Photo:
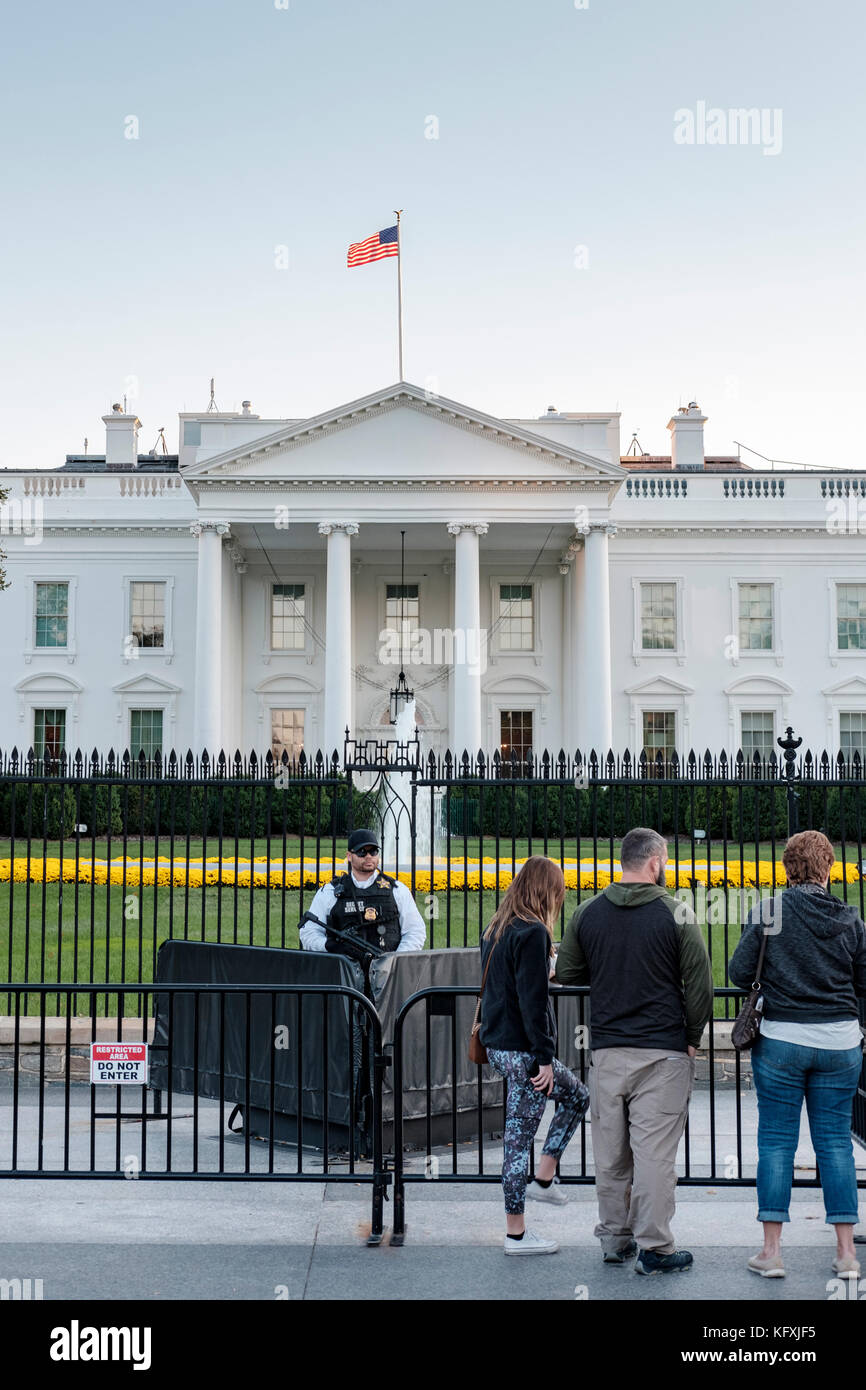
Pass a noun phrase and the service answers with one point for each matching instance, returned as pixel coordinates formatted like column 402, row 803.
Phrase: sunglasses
column 367, row 849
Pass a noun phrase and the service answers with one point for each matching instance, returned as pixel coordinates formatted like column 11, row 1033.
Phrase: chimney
column 121, row 438
column 687, row 438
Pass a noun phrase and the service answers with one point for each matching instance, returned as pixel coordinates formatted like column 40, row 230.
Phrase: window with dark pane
column 515, row 625
column 658, row 613
column 851, row 617
column 287, row 732
column 49, row 732
column 756, row 617
column 52, row 615
column 147, row 613
column 402, row 612
column 515, row 729
column 145, row 732
column 852, row 733
column 757, row 733
column 287, row 617
column 659, row 733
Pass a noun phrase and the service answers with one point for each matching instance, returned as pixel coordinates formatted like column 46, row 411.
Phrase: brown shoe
column 768, row 1266
column 847, row 1266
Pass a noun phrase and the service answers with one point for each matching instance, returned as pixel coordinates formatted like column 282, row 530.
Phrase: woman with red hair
column 809, row 1046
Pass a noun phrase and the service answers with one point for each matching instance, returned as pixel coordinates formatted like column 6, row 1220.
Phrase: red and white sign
column 118, row 1063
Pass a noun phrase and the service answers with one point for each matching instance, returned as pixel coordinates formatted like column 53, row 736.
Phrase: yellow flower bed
column 463, row 876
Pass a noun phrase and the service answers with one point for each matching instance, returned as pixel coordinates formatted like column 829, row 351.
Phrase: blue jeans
column 784, row 1074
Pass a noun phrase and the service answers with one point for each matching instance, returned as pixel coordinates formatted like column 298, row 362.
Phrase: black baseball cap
column 359, row 838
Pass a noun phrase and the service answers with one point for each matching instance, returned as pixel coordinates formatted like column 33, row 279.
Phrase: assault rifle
column 347, row 937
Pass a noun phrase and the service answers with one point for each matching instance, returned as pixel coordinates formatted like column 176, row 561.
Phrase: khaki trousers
column 639, row 1099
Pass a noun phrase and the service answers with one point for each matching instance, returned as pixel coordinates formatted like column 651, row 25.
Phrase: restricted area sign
column 118, row 1063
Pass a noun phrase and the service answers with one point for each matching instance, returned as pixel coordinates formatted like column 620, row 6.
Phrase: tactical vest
column 369, row 912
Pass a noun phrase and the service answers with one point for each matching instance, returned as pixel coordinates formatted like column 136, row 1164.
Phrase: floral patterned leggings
column 524, row 1109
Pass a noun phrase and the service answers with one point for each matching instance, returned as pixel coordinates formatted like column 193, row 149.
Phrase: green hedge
column 725, row 813
column 51, row 809
column 523, row 811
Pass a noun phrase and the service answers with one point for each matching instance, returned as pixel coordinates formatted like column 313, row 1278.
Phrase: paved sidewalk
column 140, row 1239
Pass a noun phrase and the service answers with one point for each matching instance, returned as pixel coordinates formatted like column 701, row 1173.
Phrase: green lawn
column 473, row 847
column 97, row 934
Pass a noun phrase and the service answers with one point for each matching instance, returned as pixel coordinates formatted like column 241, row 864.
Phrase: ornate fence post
column 789, row 746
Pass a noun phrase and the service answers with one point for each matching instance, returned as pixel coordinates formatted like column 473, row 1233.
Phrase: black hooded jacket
column 815, row 960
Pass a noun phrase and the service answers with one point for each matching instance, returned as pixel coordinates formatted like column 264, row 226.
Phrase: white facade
column 564, row 600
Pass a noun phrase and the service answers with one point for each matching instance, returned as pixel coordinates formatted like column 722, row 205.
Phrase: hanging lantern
column 400, row 697
column 401, row 694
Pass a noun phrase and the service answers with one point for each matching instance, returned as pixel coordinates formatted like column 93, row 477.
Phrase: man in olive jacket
column 651, row 995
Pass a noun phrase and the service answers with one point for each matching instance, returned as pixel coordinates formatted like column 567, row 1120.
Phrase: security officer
column 377, row 908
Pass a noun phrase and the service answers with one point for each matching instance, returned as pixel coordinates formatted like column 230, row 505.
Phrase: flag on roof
column 375, row 248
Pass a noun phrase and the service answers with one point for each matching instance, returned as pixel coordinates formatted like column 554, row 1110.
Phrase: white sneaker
column 554, row 1194
column 530, row 1245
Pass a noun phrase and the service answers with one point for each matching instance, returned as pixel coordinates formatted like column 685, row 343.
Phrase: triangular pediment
column 852, row 686
column 403, row 432
column 661, row 686
column 146, row 684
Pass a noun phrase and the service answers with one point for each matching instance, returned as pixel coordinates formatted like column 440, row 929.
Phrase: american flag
column 375, row 248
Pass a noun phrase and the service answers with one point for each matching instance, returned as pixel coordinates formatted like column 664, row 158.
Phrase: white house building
column 240, row 594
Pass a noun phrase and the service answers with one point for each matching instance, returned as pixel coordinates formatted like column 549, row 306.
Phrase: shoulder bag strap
column 486, row 968
column 759, row 967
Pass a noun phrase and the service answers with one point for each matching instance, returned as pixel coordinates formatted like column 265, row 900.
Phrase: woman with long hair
column 518, row 1029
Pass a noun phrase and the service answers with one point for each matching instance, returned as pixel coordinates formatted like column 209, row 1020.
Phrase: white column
column 338, row 634
column 234, row 568
column 578, row 708
column 572, row 568
column 208, row 637
column 566, row 685
column 470, row 644
column 593, row 644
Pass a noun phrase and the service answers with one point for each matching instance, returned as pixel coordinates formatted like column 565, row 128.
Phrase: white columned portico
column 593, row 639
column 208, row 636
column 468, row 644
column 338, row 634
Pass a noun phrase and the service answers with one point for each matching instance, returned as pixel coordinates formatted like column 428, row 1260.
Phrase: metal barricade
column 220, row 1045
column 571, row 1005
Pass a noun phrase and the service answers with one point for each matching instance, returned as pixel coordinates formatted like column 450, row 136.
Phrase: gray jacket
column 815, row 960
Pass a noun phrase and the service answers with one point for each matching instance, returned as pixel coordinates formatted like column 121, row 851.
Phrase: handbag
column 747, row 1024
column 477, row 1050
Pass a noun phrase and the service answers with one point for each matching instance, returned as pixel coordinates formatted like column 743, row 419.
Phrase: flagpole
column 399, row 298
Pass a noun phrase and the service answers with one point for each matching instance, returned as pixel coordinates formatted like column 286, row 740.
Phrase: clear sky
column 710, row 271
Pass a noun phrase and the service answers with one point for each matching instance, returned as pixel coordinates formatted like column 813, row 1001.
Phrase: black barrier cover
column 438, row 1077
column 442, row 1090
column 209, row 1057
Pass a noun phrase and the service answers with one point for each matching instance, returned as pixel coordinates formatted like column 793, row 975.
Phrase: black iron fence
column 286, row 1060
column 715, row 1143
column 103, row 858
